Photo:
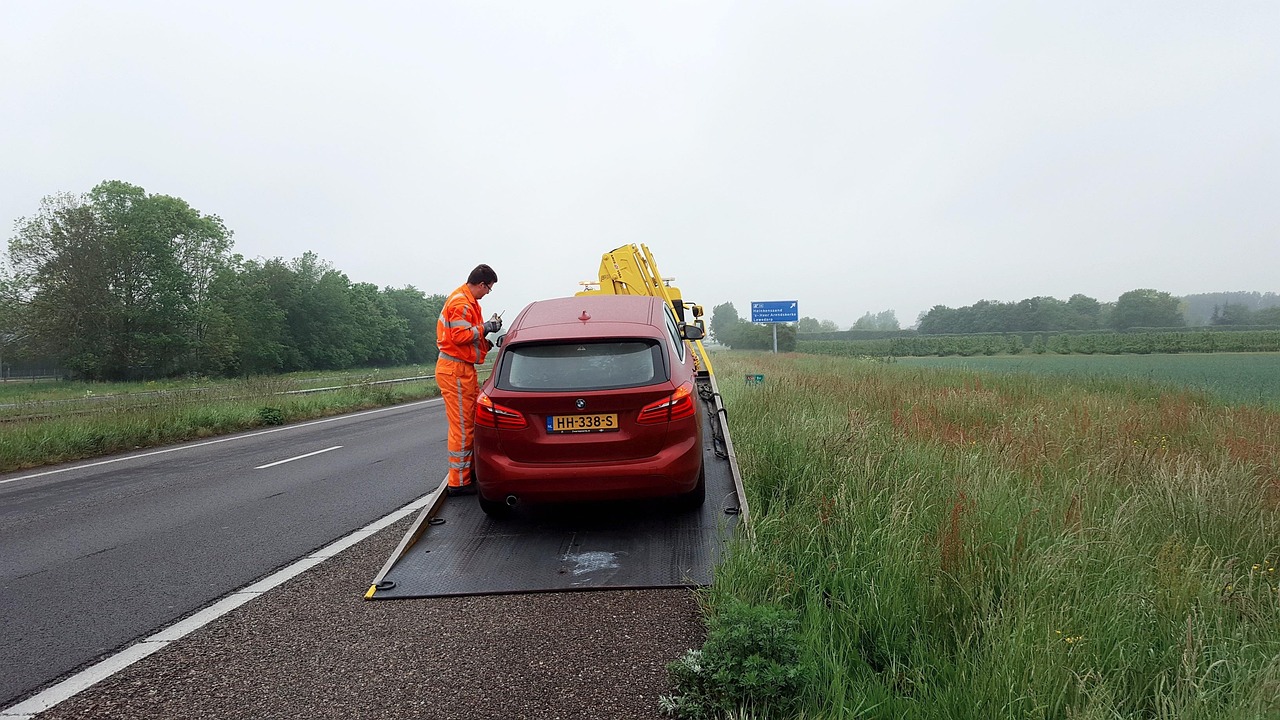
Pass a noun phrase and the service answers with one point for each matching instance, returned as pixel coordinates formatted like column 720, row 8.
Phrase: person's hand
column 494, row 324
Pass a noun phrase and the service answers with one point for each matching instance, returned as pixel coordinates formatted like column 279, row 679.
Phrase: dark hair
column 482, row 274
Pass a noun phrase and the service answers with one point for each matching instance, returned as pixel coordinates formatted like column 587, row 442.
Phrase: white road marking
column 104, row 669
column 281, row 462
column 215, row 442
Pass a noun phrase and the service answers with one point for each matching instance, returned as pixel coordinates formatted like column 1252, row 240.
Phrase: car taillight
column 674, row 407
column 492, row 415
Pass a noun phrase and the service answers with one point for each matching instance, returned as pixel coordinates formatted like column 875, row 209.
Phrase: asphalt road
column 96, row 555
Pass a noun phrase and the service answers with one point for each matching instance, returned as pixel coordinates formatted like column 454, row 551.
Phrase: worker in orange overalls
column 460, row 337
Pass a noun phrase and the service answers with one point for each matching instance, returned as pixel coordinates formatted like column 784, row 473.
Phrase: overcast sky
column 854, row 156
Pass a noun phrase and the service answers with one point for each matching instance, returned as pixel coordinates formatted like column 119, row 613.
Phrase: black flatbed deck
column 455, row 549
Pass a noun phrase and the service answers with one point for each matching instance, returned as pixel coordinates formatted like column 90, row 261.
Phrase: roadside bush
column 270, row 416
column 751, row 660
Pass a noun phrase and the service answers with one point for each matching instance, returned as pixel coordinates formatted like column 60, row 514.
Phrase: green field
column 950, row 544
column 1235, row 378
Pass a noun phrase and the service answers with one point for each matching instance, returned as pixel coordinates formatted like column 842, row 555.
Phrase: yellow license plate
column 601, row 422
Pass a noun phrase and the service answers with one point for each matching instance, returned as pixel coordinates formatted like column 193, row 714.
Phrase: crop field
column 1236, row 378
column 950, row 543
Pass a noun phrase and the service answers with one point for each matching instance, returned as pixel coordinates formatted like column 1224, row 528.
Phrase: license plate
column 601, row 422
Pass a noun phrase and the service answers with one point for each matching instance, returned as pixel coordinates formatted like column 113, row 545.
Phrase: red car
column 592, row 397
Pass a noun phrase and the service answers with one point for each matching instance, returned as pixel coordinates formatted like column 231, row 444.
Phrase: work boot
column 455, row 490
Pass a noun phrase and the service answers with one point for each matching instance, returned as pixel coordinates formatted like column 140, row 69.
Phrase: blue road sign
column 775, row 311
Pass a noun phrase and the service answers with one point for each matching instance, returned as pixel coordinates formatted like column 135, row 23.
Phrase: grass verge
column 137, row 417
column 959, row 544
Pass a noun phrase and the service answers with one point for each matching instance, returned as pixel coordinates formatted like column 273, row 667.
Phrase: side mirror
column 691, row 332
column 497, row 342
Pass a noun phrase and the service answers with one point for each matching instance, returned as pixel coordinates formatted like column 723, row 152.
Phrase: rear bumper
column 673, row 471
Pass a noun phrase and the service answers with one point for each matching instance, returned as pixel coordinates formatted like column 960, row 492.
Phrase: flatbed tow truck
column 453, row 548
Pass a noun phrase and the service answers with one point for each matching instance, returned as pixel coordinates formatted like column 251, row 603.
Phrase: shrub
column 270, row 416
column 751, row 660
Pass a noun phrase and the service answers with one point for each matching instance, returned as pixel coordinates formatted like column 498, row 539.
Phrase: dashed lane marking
column 299, row 457
column 215, row 442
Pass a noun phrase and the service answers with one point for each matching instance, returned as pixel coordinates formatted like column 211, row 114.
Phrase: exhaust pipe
column 512, row 500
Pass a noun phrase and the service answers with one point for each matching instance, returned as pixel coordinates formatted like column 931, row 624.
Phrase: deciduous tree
column 883, row 320
column 420, row 312
column 808, row 325
column 1086, row 312
column 724, row 322
column 115, row 282
column 1146, row 308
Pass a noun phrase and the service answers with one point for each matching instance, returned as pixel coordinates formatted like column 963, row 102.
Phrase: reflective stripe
column 459, row 331
column 466, row 309
column 458, row 388
column 466, row 422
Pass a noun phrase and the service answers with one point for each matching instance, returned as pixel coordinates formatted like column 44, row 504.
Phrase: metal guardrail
column 344, row 387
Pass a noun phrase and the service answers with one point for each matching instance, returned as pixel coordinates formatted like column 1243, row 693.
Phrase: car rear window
column 582, row 365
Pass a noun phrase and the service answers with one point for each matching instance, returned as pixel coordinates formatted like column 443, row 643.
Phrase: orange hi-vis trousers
column 459, row 387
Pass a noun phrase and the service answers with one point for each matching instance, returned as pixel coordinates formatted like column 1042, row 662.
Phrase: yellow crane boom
column 631, row 270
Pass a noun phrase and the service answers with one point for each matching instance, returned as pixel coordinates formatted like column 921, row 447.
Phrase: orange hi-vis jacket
column 460, row 328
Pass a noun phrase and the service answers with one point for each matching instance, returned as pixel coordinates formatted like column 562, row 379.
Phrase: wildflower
column 1256, row 567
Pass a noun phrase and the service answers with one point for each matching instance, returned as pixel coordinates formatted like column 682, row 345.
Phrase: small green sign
column 755, row 379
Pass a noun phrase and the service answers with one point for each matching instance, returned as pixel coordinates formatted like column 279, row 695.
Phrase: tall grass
column 966, row 545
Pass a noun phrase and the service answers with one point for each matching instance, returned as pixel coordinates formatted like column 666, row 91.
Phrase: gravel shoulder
column 314, row 648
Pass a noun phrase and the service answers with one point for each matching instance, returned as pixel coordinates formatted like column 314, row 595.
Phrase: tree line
column 1141, row 321
column 1232, row 308
column 884, row 320
column 120, row 284
column 1134, row 310
column 730, row 330
column 1141, row 308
